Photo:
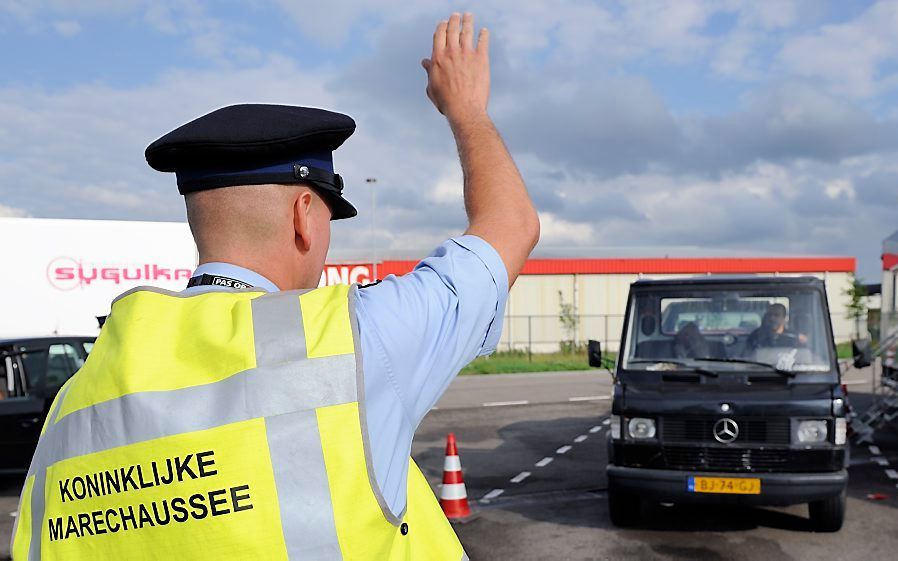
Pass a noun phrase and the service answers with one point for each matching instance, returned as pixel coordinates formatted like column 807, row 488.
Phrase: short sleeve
column 427, row 325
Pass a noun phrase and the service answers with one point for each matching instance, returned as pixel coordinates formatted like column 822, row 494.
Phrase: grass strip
column 506, row 362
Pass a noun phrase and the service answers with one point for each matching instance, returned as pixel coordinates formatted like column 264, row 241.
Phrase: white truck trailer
column 60, row 275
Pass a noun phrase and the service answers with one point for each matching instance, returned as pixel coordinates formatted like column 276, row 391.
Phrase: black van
column 727, row 390
column 31, row 373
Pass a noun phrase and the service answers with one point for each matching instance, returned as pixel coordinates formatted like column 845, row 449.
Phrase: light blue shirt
column 417, row 331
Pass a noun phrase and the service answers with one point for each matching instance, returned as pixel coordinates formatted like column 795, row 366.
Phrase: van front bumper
column 777, row 489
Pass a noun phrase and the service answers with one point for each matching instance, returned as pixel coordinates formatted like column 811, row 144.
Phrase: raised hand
column 458, row 72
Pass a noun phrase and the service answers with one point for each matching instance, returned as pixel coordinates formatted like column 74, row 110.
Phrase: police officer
column 254, row 416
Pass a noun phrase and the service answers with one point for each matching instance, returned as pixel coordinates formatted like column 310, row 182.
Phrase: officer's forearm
column 499, row 209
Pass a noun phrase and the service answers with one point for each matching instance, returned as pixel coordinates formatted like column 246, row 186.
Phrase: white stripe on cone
column 453, row 491
column 451, row 463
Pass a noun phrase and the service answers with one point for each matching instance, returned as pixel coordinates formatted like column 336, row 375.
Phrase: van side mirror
column 594, row 353
column 862, row 352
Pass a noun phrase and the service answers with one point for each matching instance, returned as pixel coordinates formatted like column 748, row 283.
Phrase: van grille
column 728, row 458
column 725, row 459
column 752, row 430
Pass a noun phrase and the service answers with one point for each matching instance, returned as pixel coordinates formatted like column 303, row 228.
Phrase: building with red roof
column 595, row 289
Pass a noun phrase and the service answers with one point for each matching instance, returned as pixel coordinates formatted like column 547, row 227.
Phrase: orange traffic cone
column 453, row 495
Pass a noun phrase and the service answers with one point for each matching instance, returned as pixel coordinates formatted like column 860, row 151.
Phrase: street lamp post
column 372, row 181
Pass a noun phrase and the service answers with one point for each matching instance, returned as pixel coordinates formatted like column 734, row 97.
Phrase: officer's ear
column 302, row 219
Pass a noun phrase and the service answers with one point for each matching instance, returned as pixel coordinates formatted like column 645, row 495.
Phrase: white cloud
column 794, row 168
column 116, row 196
column 838, row 188
column 210, row 36
column 67, row 28
column 556, row 231
column 159, row 15
column 574, row 30
column 671, row 27
column 11, row 212
column 738, row 57
column 449, row 189
column 331, row 23
column 761, row 26
column 849, row 57
column 80, row 150
column 775, row 14
column 36, row 16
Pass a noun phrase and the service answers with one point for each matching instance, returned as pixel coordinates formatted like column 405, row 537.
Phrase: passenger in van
column 773, row 331
column 690, row 343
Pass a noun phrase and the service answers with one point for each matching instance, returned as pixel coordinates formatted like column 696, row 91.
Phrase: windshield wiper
column 689, row 367
column 772, row 367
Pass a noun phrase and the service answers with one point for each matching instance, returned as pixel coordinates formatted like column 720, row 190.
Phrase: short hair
column 779, row 307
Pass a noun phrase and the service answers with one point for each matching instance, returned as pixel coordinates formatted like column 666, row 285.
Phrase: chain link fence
column 548, row 334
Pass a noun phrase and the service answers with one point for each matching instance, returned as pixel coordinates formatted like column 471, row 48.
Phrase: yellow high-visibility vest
column 221, row 425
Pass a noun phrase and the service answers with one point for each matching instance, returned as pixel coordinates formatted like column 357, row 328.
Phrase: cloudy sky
column 642, row 127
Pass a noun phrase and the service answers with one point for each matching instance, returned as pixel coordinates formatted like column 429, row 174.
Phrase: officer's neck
column 286, row 274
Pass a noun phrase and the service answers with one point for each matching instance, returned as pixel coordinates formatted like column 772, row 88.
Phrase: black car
column 31, row 373
column 727, row 390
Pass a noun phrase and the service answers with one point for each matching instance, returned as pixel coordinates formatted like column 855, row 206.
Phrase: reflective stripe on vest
column 220, row 425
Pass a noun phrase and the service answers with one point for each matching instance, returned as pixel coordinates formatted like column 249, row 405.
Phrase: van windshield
column 725, row 329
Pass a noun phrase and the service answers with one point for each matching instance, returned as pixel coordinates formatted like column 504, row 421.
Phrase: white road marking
column 589, row 398
column 544, row 462
column 581, row 438
column 563, row 450
column 606, row 422
column 492, row 494
column 520, row 477
column 874, row 450
column 856, row 382
column 892, row 474
column 881, row 461
column 13, row 514
column 594, row 430
column 502, row 403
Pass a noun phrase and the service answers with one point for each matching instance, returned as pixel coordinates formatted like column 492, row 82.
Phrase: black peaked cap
column 251, row 143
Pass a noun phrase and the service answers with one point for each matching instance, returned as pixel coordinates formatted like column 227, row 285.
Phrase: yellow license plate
column 729, row 485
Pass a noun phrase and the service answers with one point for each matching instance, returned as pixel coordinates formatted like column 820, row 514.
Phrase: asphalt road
column 503, row 390
column 535, row 476
column 533, row 452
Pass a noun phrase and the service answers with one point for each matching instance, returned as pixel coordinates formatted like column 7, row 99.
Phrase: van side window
column 62, row 361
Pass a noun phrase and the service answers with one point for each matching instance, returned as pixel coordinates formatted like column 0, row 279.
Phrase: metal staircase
column 885, row 405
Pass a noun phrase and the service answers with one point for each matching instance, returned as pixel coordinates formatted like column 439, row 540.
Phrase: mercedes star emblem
column 726, row 430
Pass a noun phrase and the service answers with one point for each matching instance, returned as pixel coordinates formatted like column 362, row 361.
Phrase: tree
column 857, row 303
column 569, row 319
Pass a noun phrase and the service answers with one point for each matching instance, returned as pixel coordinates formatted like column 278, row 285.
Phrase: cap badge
column 300, row 171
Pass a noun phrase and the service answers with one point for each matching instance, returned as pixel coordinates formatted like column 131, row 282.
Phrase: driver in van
column 773, row 331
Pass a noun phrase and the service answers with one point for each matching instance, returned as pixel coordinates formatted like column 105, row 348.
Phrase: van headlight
column 640, row 428
column 811, row 431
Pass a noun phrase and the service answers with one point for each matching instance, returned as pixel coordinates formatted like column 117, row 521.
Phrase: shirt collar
column 231, row 271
